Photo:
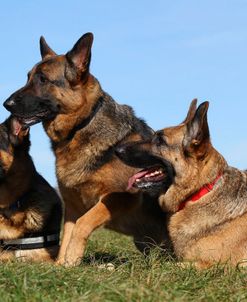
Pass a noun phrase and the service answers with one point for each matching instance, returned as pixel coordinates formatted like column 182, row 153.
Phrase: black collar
column 87, row 120
column 31, row 241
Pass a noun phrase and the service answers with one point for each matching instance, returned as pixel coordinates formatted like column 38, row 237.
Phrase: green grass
column 133, row 279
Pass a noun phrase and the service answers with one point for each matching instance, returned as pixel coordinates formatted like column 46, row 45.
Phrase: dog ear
column 191, row 112
column 197, row 133
column 45, row 50
column 17, row 132
column 80, row 54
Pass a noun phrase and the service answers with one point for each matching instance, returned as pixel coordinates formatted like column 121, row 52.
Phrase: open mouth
column 148, row 178
column 28, row 121
column 157, row 174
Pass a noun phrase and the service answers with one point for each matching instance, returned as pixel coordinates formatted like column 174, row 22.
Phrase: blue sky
column 153, row 55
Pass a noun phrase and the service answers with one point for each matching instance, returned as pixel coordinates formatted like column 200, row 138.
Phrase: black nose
column 120, row 151
column 9, row 104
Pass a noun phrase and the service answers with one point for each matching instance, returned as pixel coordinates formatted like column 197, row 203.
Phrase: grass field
column 131, row 277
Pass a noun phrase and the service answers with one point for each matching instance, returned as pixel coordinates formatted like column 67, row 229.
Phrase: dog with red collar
column 30, row 209
column 206, row 200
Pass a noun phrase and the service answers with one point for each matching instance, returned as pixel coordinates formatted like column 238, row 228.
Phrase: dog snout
column 9, row 104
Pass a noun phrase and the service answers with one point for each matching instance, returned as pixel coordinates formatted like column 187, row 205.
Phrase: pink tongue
column 16, row 126
column 135, row 177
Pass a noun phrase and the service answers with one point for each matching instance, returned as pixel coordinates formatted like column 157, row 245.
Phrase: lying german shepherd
column 30, row 209
column 207, row 199
column 85, row 124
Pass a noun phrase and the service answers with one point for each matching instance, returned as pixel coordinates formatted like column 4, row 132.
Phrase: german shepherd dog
column 85, row 124
column 30, row 209
column 207, row 200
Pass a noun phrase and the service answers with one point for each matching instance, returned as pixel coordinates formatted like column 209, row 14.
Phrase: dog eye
column 42, row 79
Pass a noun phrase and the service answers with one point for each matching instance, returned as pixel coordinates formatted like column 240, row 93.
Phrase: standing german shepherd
column 85, row 124
column 30, row 209
column 207, row 199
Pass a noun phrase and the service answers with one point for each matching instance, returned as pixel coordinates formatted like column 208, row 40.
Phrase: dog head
column 14, row 140
column 179, row 160
column 58, row 85
column 157, row 173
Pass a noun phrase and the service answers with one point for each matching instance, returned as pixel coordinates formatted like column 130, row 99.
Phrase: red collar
column 200, row 193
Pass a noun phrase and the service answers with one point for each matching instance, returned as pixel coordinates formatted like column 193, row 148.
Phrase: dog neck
column 86, row 121
column 200, row 193
column 186, row 184
column 65, row 125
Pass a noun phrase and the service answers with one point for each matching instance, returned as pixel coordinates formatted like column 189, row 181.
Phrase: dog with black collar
column 30, row 209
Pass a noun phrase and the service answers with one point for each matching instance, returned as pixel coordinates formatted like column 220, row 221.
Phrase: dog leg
column 110, row 207
column 68, row 228
column 70, row 218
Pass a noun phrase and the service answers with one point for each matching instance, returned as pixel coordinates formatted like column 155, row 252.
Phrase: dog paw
column 68, row 262
column 72, row 262
column 59, row 262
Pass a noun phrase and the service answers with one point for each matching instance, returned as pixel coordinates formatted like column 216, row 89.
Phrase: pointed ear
column 17, row 132
column 197, row 133
column 45, row 50
column 191, row 112
column 80, row 54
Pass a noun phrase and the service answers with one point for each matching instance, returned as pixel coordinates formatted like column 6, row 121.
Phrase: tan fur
column 214, row 228
column 92, row 180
